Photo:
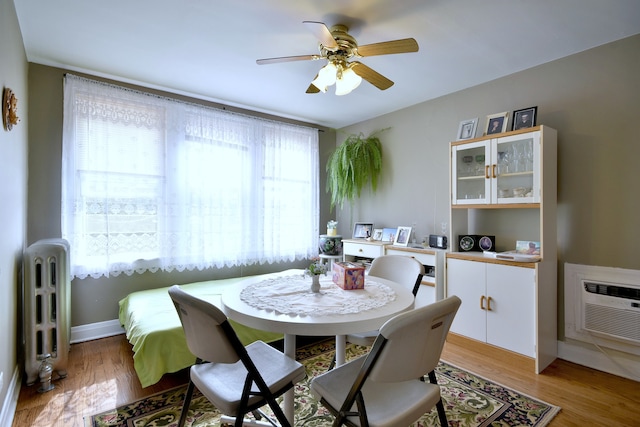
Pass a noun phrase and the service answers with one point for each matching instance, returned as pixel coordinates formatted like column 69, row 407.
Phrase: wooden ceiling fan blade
column 312, row 89
column 322, row 33
column 287, row 59
column 386, row 48
column 373, row 77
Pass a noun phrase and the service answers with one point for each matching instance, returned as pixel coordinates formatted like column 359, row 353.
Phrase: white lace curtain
column 153, row 183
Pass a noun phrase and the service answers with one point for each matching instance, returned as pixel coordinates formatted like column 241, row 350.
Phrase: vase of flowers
column 316, row 268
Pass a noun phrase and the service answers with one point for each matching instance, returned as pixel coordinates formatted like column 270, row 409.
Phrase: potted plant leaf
column 354, row 164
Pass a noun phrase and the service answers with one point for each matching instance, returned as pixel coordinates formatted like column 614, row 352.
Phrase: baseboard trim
column 11, row 399
column 621, row 364
column 93, row 331
column 612, row 362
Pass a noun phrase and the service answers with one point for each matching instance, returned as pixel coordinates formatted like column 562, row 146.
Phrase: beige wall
column 590, row 98
column 13, row 194
column 96, row 300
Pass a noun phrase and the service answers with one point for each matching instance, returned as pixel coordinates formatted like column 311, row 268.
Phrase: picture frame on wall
column 525, row 118
column 496, row 123
column 402, row 236
column 467, row 129
column 362, row 230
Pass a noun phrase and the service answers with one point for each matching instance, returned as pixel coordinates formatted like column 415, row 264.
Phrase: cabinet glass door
column 516, row 169
column 469, row 176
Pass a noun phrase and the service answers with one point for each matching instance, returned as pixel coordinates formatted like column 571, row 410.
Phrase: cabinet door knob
column 489, row 304
column 493, row 171
column 486, row 172
column 482, row 298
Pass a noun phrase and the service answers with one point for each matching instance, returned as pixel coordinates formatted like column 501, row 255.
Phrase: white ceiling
column 208, row 48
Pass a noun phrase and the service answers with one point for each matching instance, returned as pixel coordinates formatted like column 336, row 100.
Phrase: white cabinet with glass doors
column 503, row 170
column 505, row 185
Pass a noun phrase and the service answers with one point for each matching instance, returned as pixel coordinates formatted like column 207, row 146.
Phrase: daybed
column 154, row 330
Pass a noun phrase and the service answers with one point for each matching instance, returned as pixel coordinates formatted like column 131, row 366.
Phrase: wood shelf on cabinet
column 494, row 206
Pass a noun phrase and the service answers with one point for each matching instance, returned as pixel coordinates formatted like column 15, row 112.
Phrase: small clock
column 485, row 243
column 467, row 243
column 476, row 243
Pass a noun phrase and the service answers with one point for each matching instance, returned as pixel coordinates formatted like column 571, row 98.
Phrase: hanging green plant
column 355, row 163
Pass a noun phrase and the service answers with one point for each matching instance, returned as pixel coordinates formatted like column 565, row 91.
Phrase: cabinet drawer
column 362, row 249
column 424, row 259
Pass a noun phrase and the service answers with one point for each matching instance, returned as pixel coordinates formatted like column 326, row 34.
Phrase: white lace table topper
column 292, row 295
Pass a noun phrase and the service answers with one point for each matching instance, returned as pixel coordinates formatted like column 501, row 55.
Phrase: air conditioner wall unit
column 611, row 310
column 602, row 306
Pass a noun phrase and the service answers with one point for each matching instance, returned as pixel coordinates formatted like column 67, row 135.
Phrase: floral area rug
column 470, row 401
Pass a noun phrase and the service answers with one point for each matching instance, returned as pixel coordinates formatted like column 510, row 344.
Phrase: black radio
column 476, row 243
column 436, row 241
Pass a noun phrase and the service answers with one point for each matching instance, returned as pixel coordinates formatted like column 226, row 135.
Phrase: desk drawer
column 362, row 249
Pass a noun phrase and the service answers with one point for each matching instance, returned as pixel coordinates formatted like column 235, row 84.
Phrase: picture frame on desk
column 402, row 236
column 388, row 234
column 377, row 234
column 362, row 230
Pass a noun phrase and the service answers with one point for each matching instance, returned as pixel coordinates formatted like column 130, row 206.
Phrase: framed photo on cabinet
column 497, row 123
column 467, row 129
column 525, row 118
column 377, row 234
column 402, row 236
column 362, row 230
column 388, row 234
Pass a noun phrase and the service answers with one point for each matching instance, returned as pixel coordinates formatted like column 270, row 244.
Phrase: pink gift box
column 348, row 275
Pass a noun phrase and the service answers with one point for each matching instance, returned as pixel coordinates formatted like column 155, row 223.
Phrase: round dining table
column 287, row 305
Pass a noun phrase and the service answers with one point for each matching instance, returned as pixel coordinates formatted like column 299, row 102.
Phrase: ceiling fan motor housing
column 346, row 44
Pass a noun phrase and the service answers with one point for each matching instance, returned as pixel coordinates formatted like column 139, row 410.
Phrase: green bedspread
column 154, row 330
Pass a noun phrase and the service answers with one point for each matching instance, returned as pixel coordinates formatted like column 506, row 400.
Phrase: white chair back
column 202, row 321
column 415, row 340
column 398, row 268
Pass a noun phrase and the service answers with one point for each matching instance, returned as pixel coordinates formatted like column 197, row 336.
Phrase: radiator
column 47, row 315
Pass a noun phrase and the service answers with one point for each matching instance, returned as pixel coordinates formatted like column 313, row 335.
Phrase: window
column 152, row 183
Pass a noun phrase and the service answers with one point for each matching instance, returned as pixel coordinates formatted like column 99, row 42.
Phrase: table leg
column 341, row 348
column 289, row 350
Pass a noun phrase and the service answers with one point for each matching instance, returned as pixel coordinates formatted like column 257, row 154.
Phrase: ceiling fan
column 337, row 46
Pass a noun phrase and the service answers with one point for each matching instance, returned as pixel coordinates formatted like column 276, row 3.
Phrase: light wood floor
column 101, row 377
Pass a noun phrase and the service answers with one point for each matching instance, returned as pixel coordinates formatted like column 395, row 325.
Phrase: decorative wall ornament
column 9, row 109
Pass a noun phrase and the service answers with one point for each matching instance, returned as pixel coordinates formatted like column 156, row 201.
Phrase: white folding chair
column 234, row 378
column 386, row 387
column 398, row 268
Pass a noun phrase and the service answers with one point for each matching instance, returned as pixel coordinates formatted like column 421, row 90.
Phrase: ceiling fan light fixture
column 326, row 77
column 347, row 81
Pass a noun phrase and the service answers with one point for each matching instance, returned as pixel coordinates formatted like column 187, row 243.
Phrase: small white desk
column 321, row 325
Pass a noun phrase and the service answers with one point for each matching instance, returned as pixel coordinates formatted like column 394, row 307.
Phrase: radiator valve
column 45, row 372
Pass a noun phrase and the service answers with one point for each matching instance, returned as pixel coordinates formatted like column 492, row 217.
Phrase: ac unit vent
column 611, row 310
column 612, row 321
column 612, row 290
